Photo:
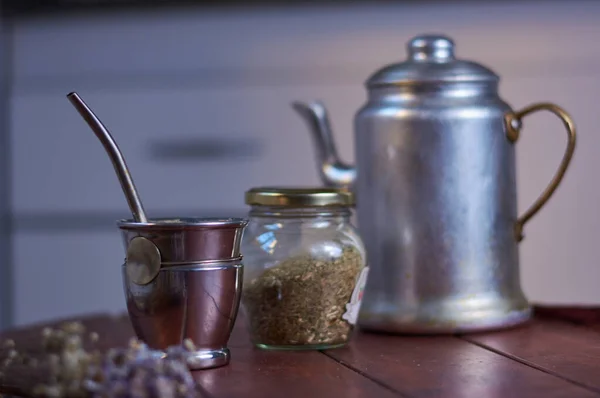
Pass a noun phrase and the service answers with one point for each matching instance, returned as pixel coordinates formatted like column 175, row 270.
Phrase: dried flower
column 141, row 372
column 135, row 371
column 189, row 345
column 94, row 337
column 10, row 343
column 73, row 328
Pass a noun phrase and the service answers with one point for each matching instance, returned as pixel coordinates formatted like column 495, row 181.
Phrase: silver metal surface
column 197, row 290
column 431, row 60
column 116, row 157
column 207, row 359
column 199, row 303
column 143, row 261
column 436, row 194
column 334, row 172
column 188, row 240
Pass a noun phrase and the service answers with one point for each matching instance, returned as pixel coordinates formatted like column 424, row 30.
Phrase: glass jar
column 304, row 268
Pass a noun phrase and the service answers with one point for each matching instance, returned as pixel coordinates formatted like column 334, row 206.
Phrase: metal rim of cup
column 183, row 223
column 191, row 241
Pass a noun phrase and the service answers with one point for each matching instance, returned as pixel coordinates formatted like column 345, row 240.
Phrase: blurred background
column 197, row 96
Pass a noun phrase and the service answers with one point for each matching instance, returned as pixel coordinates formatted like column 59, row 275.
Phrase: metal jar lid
column 299, row 197
column 431, row 60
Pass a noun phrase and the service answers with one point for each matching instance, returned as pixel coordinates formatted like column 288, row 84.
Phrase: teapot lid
column 430, row 60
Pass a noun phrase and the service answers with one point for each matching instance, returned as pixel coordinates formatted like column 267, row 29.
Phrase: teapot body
column 436, row 208
column 435, row 188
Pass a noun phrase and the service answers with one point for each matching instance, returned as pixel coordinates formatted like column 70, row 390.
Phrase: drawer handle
column 202, row 149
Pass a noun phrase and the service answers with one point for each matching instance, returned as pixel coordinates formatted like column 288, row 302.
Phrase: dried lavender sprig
column 135, row 371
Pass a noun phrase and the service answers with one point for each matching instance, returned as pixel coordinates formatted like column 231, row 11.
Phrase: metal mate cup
column 183, row 280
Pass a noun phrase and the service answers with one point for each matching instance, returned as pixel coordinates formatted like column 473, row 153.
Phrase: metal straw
column 133, row 199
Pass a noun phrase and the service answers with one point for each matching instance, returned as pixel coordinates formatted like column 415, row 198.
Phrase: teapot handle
column 513, row 122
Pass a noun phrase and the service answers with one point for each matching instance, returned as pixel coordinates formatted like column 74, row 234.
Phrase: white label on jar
column 353, row 307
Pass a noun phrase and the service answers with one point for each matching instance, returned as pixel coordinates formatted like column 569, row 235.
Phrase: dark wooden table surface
column 556, row 355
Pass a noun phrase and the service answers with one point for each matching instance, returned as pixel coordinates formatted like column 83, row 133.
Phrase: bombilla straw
column 133, row 199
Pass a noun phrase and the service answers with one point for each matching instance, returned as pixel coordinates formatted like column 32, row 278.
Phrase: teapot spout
column 332, row 170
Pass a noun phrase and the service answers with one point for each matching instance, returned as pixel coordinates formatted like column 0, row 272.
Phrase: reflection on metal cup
column 194, row 294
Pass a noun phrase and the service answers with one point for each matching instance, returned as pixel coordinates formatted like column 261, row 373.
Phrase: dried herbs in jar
column 305, row 269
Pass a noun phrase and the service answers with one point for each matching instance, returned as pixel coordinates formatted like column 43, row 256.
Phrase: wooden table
column 556, row 355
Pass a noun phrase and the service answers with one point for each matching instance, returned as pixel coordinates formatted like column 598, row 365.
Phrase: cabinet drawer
column 186, row 149
column 66, row 274
column 281, row 44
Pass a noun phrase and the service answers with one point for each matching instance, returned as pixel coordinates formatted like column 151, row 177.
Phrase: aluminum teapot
column 436, row 193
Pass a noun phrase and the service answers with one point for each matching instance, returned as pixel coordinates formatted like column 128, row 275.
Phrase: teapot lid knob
column 431, row 48
column 431, row 61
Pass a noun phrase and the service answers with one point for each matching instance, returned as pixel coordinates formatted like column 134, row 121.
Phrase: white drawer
column 295, row 44
column 66, row 274
column 60, row 166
